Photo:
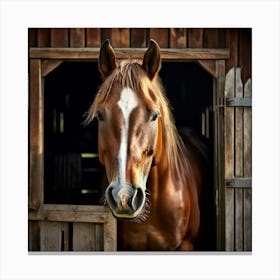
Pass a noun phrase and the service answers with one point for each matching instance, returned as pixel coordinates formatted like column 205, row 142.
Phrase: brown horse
column 154, row 177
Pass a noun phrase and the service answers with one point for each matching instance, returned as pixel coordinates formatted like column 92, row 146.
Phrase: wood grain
column 160, row 35
column 59, row 38
column 122, row 53
column 77, row 37
column 238, row 163
column 229, row 162
column 178, row 38
column 35, row 135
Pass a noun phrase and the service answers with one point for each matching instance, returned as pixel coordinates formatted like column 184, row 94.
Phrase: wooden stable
column 221, row 52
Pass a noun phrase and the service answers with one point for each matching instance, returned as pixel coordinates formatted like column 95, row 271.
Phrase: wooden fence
column 238, row 163
column 72, row 228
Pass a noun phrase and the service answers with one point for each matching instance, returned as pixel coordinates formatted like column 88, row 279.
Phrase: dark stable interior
column 72, row 172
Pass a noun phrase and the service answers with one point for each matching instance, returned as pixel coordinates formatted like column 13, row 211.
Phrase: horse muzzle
column 125, row 201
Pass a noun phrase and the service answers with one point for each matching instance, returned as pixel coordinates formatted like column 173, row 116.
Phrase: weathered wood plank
column 247, row 169
column 245, row 52
column 33, row 236
column 232, row 44
column 195, row 37
column 238, row 163
column 99, row 237
column 138, row 37
column 110, row 240
column 178, row 37
column 84, row 237
column 93, row 37
column 120, row 37
column 77, row 37
column 32, row 38
column 48, row 66
column 35, row 135
column 93, row 53
column 219, row 85
column 59, row 37
column 211, row 38
column 43, row 37
column 209, row 66
column 160, row 35
column 52, row 236
column 70, row 213
column 229, row 162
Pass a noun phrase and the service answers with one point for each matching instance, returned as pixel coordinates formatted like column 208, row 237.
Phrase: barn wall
column 237, row 40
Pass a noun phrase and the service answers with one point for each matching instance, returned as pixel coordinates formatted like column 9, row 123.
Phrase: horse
column 154, row 177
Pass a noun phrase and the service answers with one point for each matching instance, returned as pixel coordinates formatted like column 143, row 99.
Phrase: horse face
column 128, row 137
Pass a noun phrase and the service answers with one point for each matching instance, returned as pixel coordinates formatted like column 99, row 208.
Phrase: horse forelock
column 130, row 74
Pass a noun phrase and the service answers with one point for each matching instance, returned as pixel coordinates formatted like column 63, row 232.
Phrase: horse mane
column 130, row 73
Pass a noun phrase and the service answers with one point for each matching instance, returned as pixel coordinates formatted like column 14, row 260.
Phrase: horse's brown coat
column 154, row 147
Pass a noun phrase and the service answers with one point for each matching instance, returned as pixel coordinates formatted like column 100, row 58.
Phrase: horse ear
column 107, row 59
column 152, row 60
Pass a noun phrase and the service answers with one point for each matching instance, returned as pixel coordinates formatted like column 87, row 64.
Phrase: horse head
column 129, row 127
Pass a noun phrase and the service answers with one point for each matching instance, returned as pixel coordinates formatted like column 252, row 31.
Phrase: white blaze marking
column 128, row 101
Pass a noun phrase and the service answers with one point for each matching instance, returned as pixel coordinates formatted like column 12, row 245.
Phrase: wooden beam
column 122, row 53
column 209, row 66
column 36, row 135
column 70, row 213
column 49, row 65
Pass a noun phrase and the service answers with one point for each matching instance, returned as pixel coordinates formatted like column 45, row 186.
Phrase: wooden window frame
column 44, row 60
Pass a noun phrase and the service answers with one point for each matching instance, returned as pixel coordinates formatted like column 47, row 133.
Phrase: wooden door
column 238, row 162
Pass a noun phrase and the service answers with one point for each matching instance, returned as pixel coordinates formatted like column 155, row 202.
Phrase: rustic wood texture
column 119, row 37
column 48, row 66
column 209, row 66
column 138, row 37
column 32, row 37
column 59, row 37
column 229, row 161
column 110, row 239
column 232, row 44
column 92, row 54
column 238, row 165
column 160, row 35
column 93, row 228
column 35, row 135
column 178, row 38
column 247, row 199
column 245, row 53
column 53, row 236
column 93, row 37
column 195, row 37
column 238, row 41
column 219, row 85
column 43, row 37
column 211, row 38
column 77, row 37
column 70, row 213
column 87, row 237
column 33, row 236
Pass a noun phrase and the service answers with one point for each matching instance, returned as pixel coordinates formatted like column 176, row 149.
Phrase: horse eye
column 155, row 116
column 100, row 116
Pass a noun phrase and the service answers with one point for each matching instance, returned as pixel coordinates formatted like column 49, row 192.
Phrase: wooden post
column 36, row 154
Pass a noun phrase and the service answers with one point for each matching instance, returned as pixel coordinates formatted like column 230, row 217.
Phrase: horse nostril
column 110, row 198
column 138, row 199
